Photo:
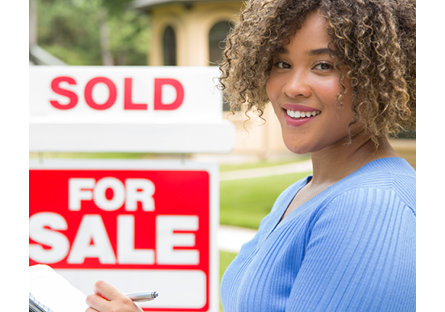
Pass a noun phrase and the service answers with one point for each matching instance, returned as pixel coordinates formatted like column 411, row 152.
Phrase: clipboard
column 50, row 292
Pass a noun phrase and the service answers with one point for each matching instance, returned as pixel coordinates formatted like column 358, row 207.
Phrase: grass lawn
column 261, row 164
column 246, row 202
column 89, row 155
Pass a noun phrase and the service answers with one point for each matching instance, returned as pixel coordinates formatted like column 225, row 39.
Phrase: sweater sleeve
column 360, row 256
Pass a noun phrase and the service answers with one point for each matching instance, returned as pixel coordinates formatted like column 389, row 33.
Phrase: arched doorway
column 217, row 35
column 169, row 46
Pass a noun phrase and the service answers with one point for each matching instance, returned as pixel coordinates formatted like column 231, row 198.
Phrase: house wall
column 192, row 27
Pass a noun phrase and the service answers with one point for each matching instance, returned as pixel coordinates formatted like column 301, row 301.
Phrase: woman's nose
column 297, row 85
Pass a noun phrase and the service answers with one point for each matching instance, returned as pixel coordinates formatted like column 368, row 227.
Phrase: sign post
column 139, row 224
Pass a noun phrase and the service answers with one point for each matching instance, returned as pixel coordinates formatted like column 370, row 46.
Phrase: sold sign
column 145, row 229
column 136, row 109
column 124, row 94
column 128, row 104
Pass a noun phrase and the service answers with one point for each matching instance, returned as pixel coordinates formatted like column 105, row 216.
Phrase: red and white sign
column 127, row 109
column 121, row 94
column 140, row 225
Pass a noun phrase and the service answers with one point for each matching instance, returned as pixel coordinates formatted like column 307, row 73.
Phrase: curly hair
column 376, row 40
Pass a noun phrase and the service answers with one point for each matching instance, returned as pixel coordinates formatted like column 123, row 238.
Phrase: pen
column 142, row 296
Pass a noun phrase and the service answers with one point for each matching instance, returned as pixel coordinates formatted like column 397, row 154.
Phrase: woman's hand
column 109, row 299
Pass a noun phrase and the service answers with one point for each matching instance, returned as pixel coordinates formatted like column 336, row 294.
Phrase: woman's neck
column 336, row 162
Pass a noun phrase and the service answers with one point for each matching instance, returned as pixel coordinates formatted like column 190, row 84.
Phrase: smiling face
column 303, row 87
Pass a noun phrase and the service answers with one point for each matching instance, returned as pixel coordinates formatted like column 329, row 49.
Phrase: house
column 187, row 33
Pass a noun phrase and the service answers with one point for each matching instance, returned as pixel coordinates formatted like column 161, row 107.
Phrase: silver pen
column 142, row 296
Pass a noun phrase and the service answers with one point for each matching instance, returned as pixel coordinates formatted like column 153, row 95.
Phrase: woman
column 340, row 75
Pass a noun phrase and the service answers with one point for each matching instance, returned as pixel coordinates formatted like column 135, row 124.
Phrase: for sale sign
column 139, row 225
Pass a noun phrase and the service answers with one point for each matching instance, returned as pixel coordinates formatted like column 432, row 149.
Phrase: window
column 169, row 46
column 217, row 36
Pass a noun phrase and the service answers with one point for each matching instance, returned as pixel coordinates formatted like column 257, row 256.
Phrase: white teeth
column 299, row 114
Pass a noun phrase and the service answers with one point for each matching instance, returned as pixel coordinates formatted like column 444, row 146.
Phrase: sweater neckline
column 387, row 163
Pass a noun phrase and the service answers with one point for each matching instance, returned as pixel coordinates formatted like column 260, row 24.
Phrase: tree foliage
column 70, row 30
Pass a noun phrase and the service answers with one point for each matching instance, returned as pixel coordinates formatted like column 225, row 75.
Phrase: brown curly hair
column 376, row 40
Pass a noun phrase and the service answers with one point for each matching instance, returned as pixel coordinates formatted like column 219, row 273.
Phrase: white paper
column 54, row 291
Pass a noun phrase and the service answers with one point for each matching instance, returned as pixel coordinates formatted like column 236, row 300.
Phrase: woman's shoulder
column 391, row 173
column 391, row 180
column 389, row 166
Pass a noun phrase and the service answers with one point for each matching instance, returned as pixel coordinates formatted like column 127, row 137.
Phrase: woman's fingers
column 109, row 299
column 106, row 290
column 98, row 303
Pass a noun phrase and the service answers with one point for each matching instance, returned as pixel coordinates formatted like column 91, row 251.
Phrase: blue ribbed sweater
column 350, row 248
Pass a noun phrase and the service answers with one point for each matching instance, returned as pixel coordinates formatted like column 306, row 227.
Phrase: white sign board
column 127, row 109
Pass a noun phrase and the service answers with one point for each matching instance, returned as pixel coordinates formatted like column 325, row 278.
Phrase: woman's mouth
column 296, row 118
column 301, row 114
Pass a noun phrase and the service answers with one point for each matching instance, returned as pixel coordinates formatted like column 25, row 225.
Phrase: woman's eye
column 323, row 66
column 282, row 65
